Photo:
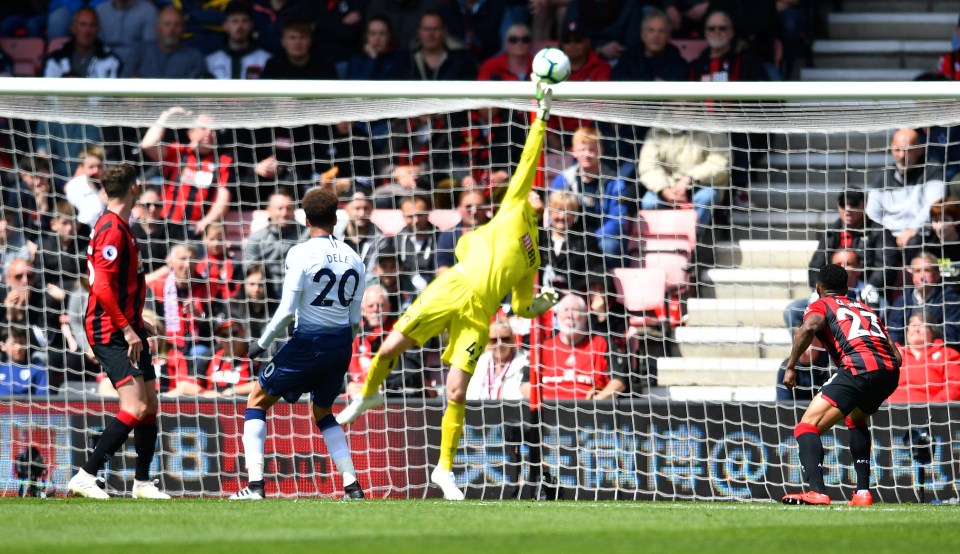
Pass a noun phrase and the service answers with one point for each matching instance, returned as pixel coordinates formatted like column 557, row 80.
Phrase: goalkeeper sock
column 451, row 427
column 111, row 440
column 145, row 441
column 254, row 435
column 811, row 455
column 379, row 369
column 860, row 452
column 336, row 441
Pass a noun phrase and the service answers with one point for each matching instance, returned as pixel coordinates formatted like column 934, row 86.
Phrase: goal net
column 659, row 381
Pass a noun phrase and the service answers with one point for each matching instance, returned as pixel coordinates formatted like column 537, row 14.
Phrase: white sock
column 336, row 441
column 861, row 491
column 254, row 435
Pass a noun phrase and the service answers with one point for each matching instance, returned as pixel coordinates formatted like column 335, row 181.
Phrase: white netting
column 698, row 416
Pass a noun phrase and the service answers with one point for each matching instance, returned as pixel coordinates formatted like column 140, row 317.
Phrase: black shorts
column 118, row 366
column 866, row 391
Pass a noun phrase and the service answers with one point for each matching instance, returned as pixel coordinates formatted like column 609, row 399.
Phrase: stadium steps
column 735, row 312
column 825, row 142
column 915, row 24
column 893, row 6
column 879, row 54
column 734, row 342
column 713, row 372
column 718, row 394
column 776, row 254
column 762, row 283
column 857, row 74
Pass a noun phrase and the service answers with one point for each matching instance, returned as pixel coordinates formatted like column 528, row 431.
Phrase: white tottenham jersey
column 329, row 277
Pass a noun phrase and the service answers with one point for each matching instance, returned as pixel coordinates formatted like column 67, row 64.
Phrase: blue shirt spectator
column 17, row 375
column 125, row 25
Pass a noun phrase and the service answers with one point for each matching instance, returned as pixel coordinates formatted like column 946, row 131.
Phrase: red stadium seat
column 390, row 222
column 690, row 49
column 642, row 289
column 674, row 266
column 675, row 225
column 26, row 53
column 444, row 219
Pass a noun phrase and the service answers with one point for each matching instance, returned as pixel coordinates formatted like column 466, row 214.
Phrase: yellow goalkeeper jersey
column 503, row 254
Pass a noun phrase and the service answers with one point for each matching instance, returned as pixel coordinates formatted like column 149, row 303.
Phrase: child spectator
column 83, row 191
column 241, row 57
column 17, row 374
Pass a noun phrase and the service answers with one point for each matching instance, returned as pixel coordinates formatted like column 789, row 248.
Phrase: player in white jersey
column 322, row 286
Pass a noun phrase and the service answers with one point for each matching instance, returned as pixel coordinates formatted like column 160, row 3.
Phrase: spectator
column 61, row 258
column 874, row 246
column 154, row 234
column 17, row 374
column 268, row 247
column 228, row 372
column 252, row 307
column 202, row 22
column 792, row 17
column 339, row 29
column 435, row 59
column 567, row 252
column 857, row 289
column 386, row 274
column 341, row 156
column 656, row 59
column 416, row 244
column 611, row 24
column 503, row 370
column 930, row 370
column 757, row 26
column 379, row 58
column 949, row 64
column 573, row 363
column 83, row 191
column 269, row 17
column 474, row 212
column 723, row 59
column 167, row 57
column 926, row 293
column 942, row 239
column 378, row 320
column 362, row 235
column 685, row 167
column 23, row 304
column 513, row 64
column 475, row 24
column 195, row 175
column 241, row 57
column 902, row 195
column 83, row 55
column 33, row 198
column 217, row 267
column 813, row 370
column 404, row 16
column 686, row 16
column 183, row 302
column 604, row 199
column 585, row 65
column 75, row 334
column 125, row 26
column 298, row 60
column 13, row 244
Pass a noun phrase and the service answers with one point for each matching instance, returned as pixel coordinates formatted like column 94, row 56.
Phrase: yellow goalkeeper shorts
column 449, row 303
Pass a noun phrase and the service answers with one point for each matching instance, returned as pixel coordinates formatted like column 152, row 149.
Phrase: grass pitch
column 423, row 526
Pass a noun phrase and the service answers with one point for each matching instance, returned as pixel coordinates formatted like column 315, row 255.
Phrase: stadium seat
column 690, row 49
column 642, row 289
column 674, row 266
column 676, row 225
column 444, row 219
column 26, row 53
column 390, row 222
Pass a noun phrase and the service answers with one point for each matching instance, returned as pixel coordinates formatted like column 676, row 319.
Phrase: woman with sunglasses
column 513, row 63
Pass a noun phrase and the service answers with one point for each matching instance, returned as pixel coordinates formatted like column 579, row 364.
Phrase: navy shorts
column 314, row 363
column 866, row 390
column 117, row 364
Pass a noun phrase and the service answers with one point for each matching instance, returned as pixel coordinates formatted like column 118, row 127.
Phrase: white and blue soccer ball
column 551, row 65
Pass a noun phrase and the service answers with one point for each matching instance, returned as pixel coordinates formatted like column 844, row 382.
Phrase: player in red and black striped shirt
column 118, row 334
column 868, row 371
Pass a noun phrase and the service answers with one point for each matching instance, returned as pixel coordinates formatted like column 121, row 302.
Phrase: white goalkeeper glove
column 544, row 99
column 542, row 302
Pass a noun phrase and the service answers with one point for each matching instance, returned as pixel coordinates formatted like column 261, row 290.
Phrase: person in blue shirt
column 17, row 375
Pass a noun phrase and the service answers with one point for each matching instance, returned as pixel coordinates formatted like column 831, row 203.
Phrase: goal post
column 693, row 314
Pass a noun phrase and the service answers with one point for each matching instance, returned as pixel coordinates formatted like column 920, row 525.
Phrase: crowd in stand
column 212, row 299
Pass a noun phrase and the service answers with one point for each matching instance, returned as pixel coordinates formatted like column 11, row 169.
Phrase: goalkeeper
column 494, row 259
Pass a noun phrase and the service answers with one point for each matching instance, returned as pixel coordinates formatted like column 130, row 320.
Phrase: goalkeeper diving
column 499, row 257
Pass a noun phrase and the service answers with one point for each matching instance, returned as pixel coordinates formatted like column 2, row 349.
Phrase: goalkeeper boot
column 253, row 491
column 444, row 480
column 861, row 498
column 353, row 492
column 84, row 484
column 544, row 101
column 358, row 406
column 809, row 498
column 148, row 490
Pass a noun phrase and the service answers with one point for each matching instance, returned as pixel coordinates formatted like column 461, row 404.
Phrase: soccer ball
column 551, row 65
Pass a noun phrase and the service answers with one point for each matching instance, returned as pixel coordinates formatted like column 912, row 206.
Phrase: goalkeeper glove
column 542, row 302
column 544, row 100
column 255, row 351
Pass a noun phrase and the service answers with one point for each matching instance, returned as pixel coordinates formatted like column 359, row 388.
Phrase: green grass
column 389, row 527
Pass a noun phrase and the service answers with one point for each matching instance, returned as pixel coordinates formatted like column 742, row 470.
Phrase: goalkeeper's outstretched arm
column 522, row 181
